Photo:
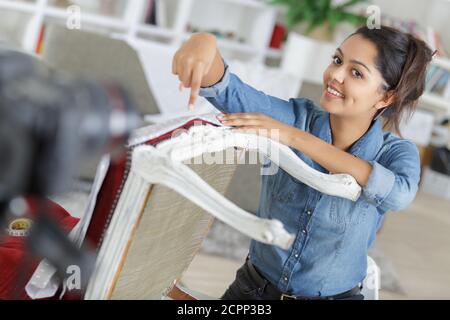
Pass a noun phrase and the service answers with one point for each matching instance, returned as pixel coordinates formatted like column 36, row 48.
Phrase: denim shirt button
column 304, row 231
column 309, row 212
column 285, row 279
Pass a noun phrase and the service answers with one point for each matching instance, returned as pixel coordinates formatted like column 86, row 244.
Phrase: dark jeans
column 251, row 285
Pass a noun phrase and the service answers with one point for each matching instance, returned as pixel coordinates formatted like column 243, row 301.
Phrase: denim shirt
column 333, row 234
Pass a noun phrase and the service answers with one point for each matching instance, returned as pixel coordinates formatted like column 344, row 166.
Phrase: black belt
column 272, row 292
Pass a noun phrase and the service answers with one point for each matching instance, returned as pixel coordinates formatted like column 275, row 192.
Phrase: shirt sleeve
column 215, row 90
column 394, row 180
column 232, row 95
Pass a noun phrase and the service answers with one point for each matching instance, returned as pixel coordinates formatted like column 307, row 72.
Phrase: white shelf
column 436, row 101
column 151, row 30
column 442, row 62
column 274, row 53
column 89, row 18
column 24, row 7
column 237, row 46
column 255, row 26
column 232, row 45
column 250, row 20
column 246, row 3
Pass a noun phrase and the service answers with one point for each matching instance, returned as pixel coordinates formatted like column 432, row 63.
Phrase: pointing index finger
column 197, row 75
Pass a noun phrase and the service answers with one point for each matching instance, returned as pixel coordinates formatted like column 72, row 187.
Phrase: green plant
column 315, row 13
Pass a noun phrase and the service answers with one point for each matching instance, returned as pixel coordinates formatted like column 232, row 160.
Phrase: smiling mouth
column 334, row 93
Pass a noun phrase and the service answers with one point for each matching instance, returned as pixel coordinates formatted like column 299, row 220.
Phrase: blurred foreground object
column 48, row 125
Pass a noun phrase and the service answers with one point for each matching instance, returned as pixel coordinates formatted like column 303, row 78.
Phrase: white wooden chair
column 372, row 282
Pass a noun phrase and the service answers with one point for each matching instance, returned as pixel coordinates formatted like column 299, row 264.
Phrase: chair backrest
column 171, row 231
column 147, row 234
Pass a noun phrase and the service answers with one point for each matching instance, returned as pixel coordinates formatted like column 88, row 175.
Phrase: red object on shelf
column 279, row 32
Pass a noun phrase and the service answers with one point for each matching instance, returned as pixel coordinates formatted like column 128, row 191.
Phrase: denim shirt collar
column 365, row 148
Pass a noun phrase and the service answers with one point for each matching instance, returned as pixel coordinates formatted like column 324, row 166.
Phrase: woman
column 374, row 73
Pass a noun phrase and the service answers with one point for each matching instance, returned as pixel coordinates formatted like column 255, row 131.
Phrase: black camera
column 49, row 124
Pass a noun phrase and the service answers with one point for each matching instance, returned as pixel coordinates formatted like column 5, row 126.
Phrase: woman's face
column 352, row 83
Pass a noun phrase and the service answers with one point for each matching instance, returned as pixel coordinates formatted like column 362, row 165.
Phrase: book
column 446, row 93
column 150, row 17
column 437, row 80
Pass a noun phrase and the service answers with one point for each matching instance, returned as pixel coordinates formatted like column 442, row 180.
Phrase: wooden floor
column 416, row 241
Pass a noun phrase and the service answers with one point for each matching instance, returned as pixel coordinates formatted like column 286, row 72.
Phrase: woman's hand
column 198, row 63
column 260, row 124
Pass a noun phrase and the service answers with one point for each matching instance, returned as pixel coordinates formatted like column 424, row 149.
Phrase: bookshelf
column 434, row 101
column 249, row 22
column 246, row 28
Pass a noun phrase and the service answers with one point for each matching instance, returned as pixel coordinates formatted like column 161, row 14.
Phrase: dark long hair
column 402, row 61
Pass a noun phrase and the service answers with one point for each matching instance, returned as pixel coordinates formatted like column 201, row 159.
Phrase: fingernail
column 180, row 87
column 191, row 106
